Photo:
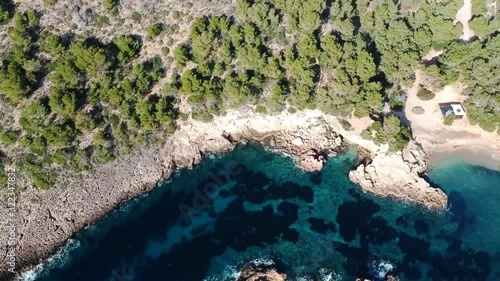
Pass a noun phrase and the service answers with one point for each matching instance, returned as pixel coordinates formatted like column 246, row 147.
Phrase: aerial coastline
column 127, row 178
column 102, row 102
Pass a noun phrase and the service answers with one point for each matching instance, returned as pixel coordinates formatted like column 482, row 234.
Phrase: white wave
column 329, row 275
column 230, row 273
column 233, row 273
column 59, row 259
column 127, row 206
column 381, row 268
column 262, row 261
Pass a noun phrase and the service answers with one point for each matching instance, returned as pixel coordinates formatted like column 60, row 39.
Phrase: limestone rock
column 397, row 176
column 309, row 146
column 82, row 16
column 297, row 142
column 311, row 161
column 260, row 272
column 186, row 152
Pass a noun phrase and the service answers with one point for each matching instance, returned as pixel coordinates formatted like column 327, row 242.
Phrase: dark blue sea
column 255, row 205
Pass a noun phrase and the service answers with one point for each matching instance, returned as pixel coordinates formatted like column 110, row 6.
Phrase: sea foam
column 59, row 259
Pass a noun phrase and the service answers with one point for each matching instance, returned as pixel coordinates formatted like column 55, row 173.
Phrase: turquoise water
column 258, row 207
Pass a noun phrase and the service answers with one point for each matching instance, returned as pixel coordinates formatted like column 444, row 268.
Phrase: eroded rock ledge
column 310, row 147
column 398, row 176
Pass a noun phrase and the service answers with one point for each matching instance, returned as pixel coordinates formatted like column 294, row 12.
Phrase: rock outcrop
column 260, row 272
column 309, row 146
column 82, row 16
column 398, row 176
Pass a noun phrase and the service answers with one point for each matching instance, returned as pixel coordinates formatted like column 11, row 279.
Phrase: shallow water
column 260, row 207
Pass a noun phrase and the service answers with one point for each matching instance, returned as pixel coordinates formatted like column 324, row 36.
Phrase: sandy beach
column 460, row 141
column 468, row 154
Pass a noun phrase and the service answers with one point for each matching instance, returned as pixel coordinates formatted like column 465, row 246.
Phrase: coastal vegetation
column 83, row 101
column 448, row 120
column 425, row 94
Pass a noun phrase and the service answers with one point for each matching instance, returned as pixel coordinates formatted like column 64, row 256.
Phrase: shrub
column 110, row 4
column 165, row 50
column 183, row 116
column 58, row 157
column 6, row 9
column 396, row 104
column 128, row 47
column 101, row 21
column 448, row 120
column 7, row 137
column 178, row 15
column 171, row 29
column 52, row 44
column 40, row 179
column 38, row 146
column 392, row 132
column 345, row 124
column 181, row 56
column 425, row 95
column 48, row 3
column 202, row 115
column 366, row 134
column 261, row 109
column 154, row 30
column 137, row 17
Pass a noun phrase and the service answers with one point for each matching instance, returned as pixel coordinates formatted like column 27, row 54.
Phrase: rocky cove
column 46, row 219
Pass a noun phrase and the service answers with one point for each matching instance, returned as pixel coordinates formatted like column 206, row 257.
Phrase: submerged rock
column 398, row 176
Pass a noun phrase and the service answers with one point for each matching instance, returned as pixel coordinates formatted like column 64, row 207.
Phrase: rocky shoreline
column 47, row 219
column 398, row 176
column 268, row 271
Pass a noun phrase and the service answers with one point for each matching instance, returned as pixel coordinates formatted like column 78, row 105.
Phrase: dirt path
column 464, row 15
column 432, row 54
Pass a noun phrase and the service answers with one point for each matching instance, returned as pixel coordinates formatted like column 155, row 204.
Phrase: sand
column 463, row 140
column 464, row 15
column 432, row 54
column 360, row 124
column 482, row 157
